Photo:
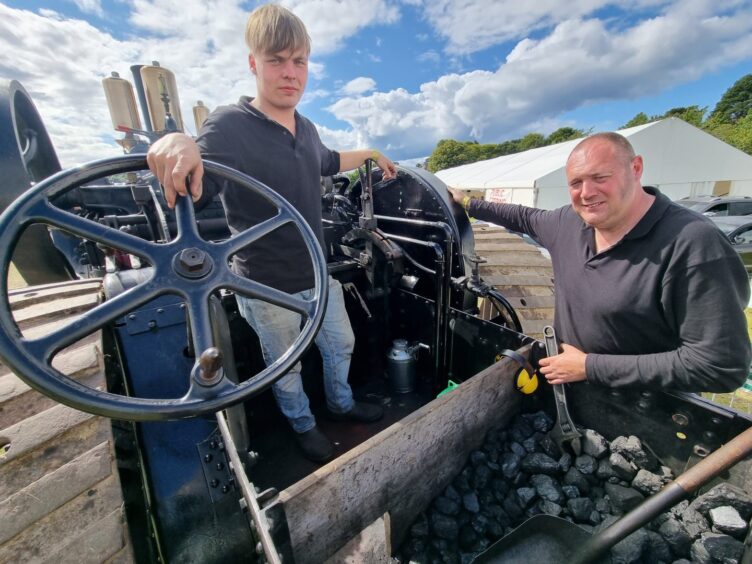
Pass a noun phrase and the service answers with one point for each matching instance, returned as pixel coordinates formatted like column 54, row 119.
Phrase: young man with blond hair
column 268, row 139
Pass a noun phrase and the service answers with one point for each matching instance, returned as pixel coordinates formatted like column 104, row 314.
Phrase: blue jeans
column 277, row 328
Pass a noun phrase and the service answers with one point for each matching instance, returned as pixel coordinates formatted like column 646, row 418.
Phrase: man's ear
column 252, row 63
column 637, row 167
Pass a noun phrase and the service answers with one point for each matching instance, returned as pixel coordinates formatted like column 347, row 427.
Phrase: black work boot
column 315, row 445
column 363, row 412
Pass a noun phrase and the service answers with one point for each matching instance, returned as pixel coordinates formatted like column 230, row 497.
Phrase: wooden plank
column 53, row 490
column 518, row 280
column 516, row 259
column 481, row 247
column 50, row 292
column 18, row 401
column 98, row 543
column 64, row 307
column 35, row 431
column 55, row 531
column 371, row 546
column 22, row 470
column 399, row 470
column 123, row 556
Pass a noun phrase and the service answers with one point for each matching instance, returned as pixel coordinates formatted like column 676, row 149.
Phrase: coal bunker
column 519, row 472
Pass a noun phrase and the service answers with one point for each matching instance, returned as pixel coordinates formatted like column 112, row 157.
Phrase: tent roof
column 672, row 138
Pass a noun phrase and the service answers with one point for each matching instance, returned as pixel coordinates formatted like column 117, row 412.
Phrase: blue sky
column 397, row 75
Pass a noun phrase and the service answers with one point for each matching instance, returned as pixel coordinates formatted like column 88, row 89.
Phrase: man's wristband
column 375, row 155
column 466, row 202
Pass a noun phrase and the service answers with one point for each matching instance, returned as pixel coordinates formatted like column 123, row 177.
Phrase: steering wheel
column 187, row 266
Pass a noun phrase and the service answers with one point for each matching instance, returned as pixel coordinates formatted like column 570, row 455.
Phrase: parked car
column 738, row 230
column 718, row 205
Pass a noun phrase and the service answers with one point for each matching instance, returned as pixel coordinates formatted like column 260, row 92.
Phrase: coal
column 621, row 467
column 510, row 464
column 714, row 547
column 574, row 477
column 446, row 506
column 539, row 463
column 726, row 519
column 632, row 449
column 631, row 549
column 581, row 508
column 470, row 502
column 623, row 499
column 585, row 464
column 444, row 526
column 647, row 483
column 519, row 472
column 694, row 522
column 526, row 495
column 657, row 549
column 594, row 444
column 547, row 488
column 725, row 494
column 676, row 535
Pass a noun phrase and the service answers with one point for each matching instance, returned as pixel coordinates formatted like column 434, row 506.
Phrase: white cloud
column 358, row 86
column 429, row 57
column 473, row 25
column 580, row 62
column 331, row 22
column 90, row 7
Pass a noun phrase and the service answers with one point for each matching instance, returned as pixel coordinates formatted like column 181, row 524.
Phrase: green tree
column 640, row 119
column 449, row 153
column 564, row 134
column 532, row 141
column 735, row 103
column 690, row 114
column 741, row 134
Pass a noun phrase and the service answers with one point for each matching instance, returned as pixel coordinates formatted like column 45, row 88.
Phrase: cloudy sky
column 398, row 75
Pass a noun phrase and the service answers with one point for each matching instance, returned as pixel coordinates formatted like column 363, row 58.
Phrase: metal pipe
column 438, row 353
column 449, row 251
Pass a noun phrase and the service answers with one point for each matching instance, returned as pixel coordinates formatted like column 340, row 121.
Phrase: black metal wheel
column 187, row 266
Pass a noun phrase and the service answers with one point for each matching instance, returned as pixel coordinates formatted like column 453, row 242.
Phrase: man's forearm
column 349, row 160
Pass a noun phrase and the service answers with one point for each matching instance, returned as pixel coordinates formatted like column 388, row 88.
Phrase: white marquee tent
column 680, row 159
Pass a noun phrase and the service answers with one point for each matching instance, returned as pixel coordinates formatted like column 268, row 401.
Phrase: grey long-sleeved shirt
column 661, row 308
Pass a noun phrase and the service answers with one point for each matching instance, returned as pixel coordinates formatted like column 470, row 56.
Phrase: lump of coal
column 623, row 499
column 676, row 536
column 726, row 519
column 539, row 463
column 630, row 549
column 547, row 488
column 714, row 547
column 581, row 508
column 725, row 494
column 444, row 526
column 647, row 483
column 632, row 449
column 540, row 421
column 594, row 444
column 585, row 464
column 621, row 467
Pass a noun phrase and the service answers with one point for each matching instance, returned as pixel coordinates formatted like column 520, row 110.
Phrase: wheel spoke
column 47, row 346
column 199, row 318
column 234, row 244
column 185, row 216
column 253, row 289
column 91, row 230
